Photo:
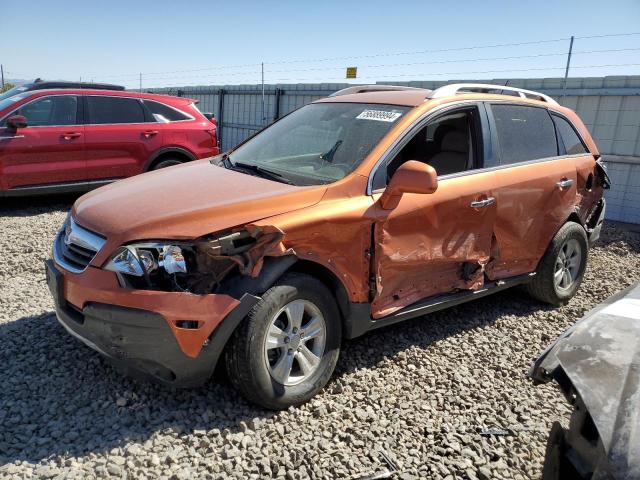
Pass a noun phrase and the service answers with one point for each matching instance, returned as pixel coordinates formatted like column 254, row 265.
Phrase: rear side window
column 568, row 140
column 103, row 110
column 50, row 111
column 163, row 113
column 524, row 133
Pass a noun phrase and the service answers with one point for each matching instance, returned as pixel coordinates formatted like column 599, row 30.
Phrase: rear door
column 535, row 186
column 50, row 149
column 119, row 139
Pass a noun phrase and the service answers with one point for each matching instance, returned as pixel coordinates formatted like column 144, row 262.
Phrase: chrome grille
column 75, row 246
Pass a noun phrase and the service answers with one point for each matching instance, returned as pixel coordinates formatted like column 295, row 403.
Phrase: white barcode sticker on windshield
column 379, row 115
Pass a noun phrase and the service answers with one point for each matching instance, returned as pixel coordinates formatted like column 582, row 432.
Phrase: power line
column 452, row 73
column 354, row 57
column 516, row 57
column 609, row 35
column 135, row 76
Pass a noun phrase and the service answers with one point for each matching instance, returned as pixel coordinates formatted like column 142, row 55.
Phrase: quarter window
column 110, row 110
column 50, row 111
column 524, row 133
column 163, row 114
column 568, row 139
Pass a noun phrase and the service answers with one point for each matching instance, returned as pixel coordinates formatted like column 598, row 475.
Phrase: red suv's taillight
column 214, row 137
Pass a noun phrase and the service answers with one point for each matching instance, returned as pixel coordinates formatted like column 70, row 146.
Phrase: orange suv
column 360, row 210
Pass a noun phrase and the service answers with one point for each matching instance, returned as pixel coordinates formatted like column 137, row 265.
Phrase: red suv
column 75, row 138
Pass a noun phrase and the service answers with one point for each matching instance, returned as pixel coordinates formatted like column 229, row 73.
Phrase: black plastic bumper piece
column 140, row 342
column 596, row 226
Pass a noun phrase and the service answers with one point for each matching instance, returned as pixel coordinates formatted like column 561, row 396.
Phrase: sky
column 210, row 42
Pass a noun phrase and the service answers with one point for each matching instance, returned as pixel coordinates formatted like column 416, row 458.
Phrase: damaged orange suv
column 360, row 210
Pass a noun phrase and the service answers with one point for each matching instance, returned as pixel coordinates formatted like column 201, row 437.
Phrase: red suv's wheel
column 167, row 162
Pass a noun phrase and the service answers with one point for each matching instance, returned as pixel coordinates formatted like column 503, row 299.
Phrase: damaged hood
column 185, row 202
column 600, row 355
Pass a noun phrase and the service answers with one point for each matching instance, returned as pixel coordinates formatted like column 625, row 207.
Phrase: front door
column 49, row 150
column 436, row 243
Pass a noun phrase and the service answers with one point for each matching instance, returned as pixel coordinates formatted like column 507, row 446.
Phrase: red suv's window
column 49, row 111
column 163, row 113
column 104, row 110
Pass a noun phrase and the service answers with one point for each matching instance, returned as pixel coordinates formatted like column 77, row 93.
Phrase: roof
column 114, row 93
column 412, row 97
column 408, row 98
column 42, row 85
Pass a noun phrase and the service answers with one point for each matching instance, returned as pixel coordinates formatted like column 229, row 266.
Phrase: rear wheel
column 167, row 162
column 562, row 267
column 286, row 349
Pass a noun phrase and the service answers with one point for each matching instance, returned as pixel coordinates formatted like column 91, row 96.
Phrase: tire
column 258, row 371
column 167, row 162
column 568, row 246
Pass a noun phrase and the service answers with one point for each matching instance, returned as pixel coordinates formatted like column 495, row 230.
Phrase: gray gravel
column 444, row 396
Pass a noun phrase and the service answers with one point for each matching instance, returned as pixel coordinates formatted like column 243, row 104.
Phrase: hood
column 600, row 355
column 185, row 202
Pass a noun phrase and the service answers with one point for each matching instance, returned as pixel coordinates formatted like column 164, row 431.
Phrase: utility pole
column 2, row 74
column 566, row 71
column 262, row 69
column 140, row 82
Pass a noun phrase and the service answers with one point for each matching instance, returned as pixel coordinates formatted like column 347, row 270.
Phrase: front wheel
column 562, row 267
column 286, row 349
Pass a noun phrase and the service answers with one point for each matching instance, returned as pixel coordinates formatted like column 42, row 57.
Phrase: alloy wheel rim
column 567, row 265
column 295, row 342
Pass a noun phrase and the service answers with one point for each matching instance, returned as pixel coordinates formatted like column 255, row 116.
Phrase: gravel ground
column 442, row 397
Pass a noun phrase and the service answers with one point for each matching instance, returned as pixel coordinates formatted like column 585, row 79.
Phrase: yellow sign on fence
column 352, row 72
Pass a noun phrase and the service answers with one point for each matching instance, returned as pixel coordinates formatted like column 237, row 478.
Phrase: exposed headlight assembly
column 144, row 258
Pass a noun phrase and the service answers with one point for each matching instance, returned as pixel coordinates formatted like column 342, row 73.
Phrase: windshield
column 7, row 101
column 319, row 143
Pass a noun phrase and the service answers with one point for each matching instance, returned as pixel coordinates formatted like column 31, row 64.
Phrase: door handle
column 564, row 183
column 149, row 133
column 483, row 203
column 70, row 135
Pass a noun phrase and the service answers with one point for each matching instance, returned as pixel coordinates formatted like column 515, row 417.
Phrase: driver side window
column 56, row 110
column 448, row 143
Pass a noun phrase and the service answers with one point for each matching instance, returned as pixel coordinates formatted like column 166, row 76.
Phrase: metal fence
column 609, row 106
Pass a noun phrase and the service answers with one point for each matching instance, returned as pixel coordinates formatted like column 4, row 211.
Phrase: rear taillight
column 214, row 136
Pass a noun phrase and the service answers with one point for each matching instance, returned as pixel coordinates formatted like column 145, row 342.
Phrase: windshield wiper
column 261, row 171
column 328, row 156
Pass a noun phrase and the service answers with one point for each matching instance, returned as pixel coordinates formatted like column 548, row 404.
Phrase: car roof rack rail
column 455, row 88
column 373, row 88
column 43, row 85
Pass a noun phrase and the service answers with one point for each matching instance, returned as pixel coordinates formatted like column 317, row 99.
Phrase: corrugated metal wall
column 609, row 106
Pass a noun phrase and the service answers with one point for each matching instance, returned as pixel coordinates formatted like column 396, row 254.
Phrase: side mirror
column 14, row 122
column 410, row 177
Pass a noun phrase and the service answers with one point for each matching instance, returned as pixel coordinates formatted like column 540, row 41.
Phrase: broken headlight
column 142, row 259
column 197, row 266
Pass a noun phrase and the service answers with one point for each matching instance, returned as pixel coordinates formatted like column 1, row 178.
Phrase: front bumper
column 136, row 329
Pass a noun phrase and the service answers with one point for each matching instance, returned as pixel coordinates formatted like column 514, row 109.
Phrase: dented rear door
column 435, row 243
column 535, row 187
